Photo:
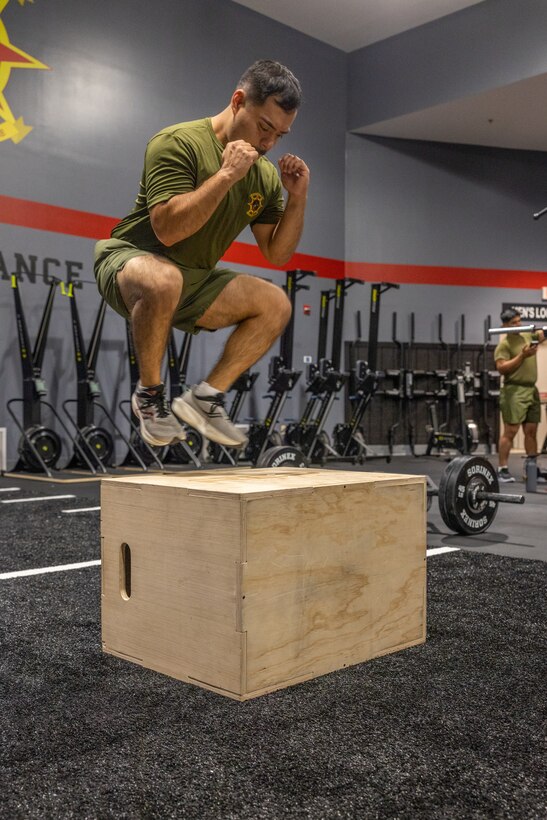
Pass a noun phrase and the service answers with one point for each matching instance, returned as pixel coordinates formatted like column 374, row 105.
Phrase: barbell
column 469, row 496
column 493, row 331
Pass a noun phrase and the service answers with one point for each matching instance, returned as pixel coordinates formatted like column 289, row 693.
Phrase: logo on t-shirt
column 254, row 205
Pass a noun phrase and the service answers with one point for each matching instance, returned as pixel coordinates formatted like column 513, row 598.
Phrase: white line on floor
column 81, row 509
column 10, row 489
column 37, row 498
column 4, row 576
column 440, row 550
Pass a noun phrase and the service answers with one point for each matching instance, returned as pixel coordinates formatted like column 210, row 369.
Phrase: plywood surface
column 332, row 580
column 276, row 577
column 248, row 482
column 181, row 617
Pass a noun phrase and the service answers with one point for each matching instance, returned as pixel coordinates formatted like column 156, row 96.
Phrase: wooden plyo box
column 245, row 581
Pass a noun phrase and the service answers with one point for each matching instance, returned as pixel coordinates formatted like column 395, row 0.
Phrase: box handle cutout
column 125, row 571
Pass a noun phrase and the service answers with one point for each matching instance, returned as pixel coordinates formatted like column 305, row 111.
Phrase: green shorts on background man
column 200, row 287
column 520, row 404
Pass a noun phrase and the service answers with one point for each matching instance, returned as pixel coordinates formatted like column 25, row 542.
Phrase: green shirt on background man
column 526, row 373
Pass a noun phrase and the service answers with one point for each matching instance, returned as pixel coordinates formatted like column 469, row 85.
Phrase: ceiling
column 351, row 24
column 512, row 116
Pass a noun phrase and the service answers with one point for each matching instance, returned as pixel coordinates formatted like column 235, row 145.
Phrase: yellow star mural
column 11, row 127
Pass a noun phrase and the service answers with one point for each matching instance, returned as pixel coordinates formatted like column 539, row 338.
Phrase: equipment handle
column 358, row 324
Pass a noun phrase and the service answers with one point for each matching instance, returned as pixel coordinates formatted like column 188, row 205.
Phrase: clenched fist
column 237, row 158
column 295, row 174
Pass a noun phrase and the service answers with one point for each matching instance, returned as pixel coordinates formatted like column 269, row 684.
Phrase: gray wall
column 436, row 204
column 118, row 73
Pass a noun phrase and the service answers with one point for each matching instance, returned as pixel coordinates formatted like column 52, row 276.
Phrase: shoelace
column 214, row 402
column 156, row 403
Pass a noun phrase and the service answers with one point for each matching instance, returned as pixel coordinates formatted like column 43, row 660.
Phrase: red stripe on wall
column 26, row 214
column 43, row 217
column 436, row 275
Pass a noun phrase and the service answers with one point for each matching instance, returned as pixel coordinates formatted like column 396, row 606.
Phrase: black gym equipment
column 97, row 442
column 317, row 446
column 487, row 389
column 281, row 380
column 454, row 384
column 404, row 391
column 39, row 447
column 92, row 440
column 297, row 434
column 139, row 451
column 348, row 440
column 468, row 495
column 183, row 452
column 241, row 387
column 397, row 392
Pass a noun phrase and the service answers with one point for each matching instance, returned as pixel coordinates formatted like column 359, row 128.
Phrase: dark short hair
column 267, row 78
column 509, row 314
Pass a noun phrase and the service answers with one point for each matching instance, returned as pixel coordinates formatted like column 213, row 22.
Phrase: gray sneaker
column 208, row 415
column 504, row 476
column 158, row 426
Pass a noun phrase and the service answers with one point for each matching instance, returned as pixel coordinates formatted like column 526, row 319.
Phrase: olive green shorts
column 200, row 287
column 520, row 404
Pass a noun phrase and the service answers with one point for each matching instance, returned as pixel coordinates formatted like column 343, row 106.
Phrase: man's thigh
column 243, row 297
column 201, row 290
column 111, row 256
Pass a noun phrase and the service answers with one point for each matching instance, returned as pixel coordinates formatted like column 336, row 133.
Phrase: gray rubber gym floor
column 451, row 729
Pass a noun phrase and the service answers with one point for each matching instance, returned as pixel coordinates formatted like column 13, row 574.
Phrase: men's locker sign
column 528, row 312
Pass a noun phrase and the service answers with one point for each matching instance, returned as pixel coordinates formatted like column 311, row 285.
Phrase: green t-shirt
column 179, row 159
column 527, row 373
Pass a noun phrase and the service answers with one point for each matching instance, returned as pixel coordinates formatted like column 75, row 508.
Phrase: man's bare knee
column 278, row 310
column 150, row 280
column 510, row 431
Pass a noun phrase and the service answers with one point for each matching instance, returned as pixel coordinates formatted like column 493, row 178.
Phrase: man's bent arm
column 279, row 242
column 184, row 214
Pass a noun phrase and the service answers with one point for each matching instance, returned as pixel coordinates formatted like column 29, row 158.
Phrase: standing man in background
column 203, row 182
column 516, row 361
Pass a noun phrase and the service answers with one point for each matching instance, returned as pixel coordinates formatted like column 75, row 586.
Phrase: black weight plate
column 99, row 441
column 48, row 444
column 283, row 456
column 146, row 451
column 179, row 455
column 459, row 511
